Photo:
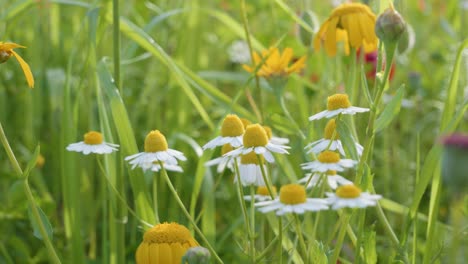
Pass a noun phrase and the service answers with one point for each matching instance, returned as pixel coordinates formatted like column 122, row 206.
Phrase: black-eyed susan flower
column 351, row 23
column 222, row 162
column 6, row 51
column 331, row 141
column 93, row 143
column 328, row 160
column 164, row 243
column 250, row 170
column 156, row 149
column 352, row 197
column 261, row 194
column 338, row 104
column 292, row 199
column 332, row 179
column 255, row 139
column 232, row 130
column 274, row 64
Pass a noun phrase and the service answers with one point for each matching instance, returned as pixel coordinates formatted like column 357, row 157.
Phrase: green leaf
column 370, row 255
column 390, row 110
column 317, row 253
column 349, row 144
column 44, row 220
column 31, row 163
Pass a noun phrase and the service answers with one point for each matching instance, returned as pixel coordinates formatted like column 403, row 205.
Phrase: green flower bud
column 390, row 26
column 455, row 163
column 311, row 20
column 196, row 255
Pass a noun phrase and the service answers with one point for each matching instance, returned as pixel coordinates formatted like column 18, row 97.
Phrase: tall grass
column 127, row 67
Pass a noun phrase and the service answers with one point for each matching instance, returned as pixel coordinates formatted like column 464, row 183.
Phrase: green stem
column 280, row 238
column 116, row 42
column 155, row 198
column 32, row 203
column 252, row 223
column 265, row 178
column 341, row 234
column 187, row 214
column 288, row 115
column 7, row 256
column 300, row 237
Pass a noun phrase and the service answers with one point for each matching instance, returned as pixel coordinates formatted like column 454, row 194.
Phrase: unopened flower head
column 328, row 160
column 292, row 199
column 255, row 139
column 196, row 255
column 390, row 26
column 156, row 150
column 250, row 171
column 352, row 197
column 262, row 194
column 330, row 177
column 93, row 143
column 352, row 23
column 338, row 104
column 274, row 64
column 165, row 243
column 330, row 141
column 232, row 130
column 6, row 51
column 222, row 162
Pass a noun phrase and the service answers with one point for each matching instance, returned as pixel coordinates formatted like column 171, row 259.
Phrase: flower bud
column 390, row 26
column 311, row 20
column 196, row 255
column 455, row 162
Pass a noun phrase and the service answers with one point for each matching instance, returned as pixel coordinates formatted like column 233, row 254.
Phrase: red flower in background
column 370, row 65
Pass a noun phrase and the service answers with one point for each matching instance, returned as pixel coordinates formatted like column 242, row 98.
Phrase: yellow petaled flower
column 272, row 63
column 328, row 160
column 6, row 50
column 255, row 139
column 351, row 23
column 164, row 243
column 351, row 196
column 232, row 130
column 93, row 143
column 292, row 199
column 156, row 150
column 338, row 104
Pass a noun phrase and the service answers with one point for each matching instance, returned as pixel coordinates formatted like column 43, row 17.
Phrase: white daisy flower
column 232, row 130
column 328, row 160
column 292, row 199
column 332, row 179
column 273, row 139
column 255, row 139
column 156, row 149
column 338, row 104
column 93, row 143
column 330, row 141
column 250, row 171
column 222, row 162
column 262, row 194
column 352, row 197
column 239, row 52
column 169, row 167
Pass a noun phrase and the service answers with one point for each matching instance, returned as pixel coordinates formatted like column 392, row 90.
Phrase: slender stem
column 288, row 115
column 280, row 238
column 32, row 203
column 252, row 223
column 341, row 234
column 187, row 214
column 7, row 256
column 300, row 237
column 116, row 42
column 264, row 176
column 155, row 197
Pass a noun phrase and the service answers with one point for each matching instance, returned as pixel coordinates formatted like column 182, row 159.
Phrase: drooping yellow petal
column 298, row 65
column 178, row 251
column 247, row 68
column 342, row 36
column 26, row 70
column 354, row 32
column 320, row 34
column 141, row 255
column 286, row 57
column 9, row 46
column 330, row 37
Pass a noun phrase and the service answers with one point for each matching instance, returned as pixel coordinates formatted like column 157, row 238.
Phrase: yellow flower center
column 348, row 191
column 331, row 172
column 155, row 141
column 226, row 148
column 93, row 138
column 232, row 126
column 328, row 156
column 330, row 128
column 251, row 158
column 245, row 122
column 167, row 233
column 292, row 194
column 255, row 136
column 268, row 132
column 338, row 101
column 263, row 190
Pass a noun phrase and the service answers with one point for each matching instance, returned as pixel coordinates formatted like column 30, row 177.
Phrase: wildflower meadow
column 222, row 131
